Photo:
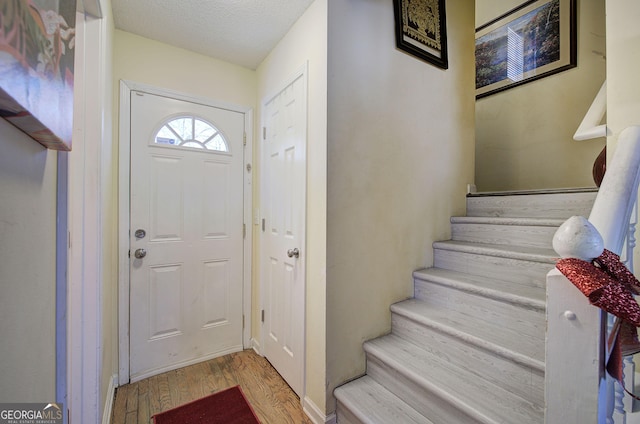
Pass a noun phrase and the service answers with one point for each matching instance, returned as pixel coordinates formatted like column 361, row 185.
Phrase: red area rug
column 228, row 406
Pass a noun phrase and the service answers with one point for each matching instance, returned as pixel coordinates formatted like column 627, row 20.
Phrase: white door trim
column 301, row 72
column 123, row 211
column 86, row 222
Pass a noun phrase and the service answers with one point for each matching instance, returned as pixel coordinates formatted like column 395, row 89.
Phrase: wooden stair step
column 442, row 392
column 470, row 329
column 532, row 232
column 551, row 204
column 516, row 264
column 501, row 358
column 512, row 317
column 365, row 401
column 526, row 296
column 533, row 254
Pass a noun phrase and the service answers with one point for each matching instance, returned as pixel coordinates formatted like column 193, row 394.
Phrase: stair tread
column 453, row 384
column 372, row 403
column 551, row 204
column 476, row 331
column 555, row 191
column 494, row 220
column 525, row 295
column 535, row 254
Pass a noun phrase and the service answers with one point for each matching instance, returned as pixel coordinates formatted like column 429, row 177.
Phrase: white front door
column 283, row 241
column 186, row 233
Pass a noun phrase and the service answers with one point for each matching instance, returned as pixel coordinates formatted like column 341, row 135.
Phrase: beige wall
column 400, row 154
column 142, row 60
column 27, row 268
column 623, row 61
column 623, row 85
column 524, row 136
column 306, row 42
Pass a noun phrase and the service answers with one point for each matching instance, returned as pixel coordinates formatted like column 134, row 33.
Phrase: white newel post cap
column 578, row 238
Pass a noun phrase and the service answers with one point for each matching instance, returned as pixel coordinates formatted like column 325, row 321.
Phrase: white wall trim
column 62, row 265
column 315, row 414
column 90, row 7
column 123, row 210
column 111, row 396
column 84, row 318
column 248, row 222
column 124, row 160
column 255, row 345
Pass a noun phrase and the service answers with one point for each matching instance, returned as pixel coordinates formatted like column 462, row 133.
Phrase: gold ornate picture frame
column 421, row 30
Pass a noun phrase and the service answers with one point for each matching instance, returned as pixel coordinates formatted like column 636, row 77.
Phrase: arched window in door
column 191, row 132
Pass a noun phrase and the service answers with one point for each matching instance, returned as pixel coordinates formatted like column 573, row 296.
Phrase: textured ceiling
column 242, row 32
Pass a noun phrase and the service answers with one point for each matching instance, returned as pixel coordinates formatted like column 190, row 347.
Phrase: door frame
column 124, row 145
column 301, row 72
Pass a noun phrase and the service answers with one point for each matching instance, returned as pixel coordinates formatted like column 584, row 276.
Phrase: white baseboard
column 108, row 404
column 255, row 345
column 315, row 414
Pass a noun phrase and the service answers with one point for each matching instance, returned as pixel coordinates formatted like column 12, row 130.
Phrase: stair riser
column 422, row 399
column 513, row 270
column 345, row 416
column 530, row 323
column 556, row 206
column 517, row 378
column 510, row 235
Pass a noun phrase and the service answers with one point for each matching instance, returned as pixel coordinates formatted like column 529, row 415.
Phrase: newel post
column 575, row 350
column 574, row 373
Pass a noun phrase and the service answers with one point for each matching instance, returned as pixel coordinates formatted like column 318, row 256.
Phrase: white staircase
column 470, row 346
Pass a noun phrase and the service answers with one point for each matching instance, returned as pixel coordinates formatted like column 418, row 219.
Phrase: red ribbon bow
column 609, row 285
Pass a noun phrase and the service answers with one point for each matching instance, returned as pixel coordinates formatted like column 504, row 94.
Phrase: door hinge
column 262, row 315
column 129, row 253
column 264, row 133
column 244, row 230
column 263, row 225
column 244, row 139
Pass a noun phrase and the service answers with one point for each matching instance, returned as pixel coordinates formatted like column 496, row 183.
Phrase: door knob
column 140, row 253
column 293, row 252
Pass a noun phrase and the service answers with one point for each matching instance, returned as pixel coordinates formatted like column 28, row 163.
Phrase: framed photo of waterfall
column 421, row 30
column 532, row 41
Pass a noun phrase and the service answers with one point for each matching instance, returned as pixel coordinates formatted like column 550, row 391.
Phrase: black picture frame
column 530, row 42
column 421, row 30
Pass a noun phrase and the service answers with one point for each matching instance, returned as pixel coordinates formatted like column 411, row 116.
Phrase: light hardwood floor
column 269, row 395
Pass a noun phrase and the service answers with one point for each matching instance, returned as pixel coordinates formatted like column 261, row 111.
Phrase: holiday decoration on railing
column 606, row 282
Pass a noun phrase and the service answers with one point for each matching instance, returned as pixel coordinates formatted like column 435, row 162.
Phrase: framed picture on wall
column 532, row 41
column 37, row 45
column 421, row 30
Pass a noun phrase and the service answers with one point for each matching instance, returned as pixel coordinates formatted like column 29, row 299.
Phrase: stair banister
column 614, row 203
column 576, row 387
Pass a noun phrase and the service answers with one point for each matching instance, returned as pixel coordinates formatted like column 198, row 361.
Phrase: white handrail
column 590, row 126
column 576, row 330
column 618, row 192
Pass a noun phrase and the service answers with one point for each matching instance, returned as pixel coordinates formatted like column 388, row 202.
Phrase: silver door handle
column 140, row 253
column 293, row 252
